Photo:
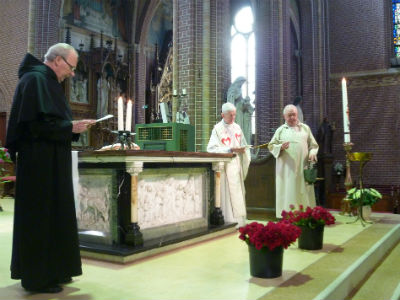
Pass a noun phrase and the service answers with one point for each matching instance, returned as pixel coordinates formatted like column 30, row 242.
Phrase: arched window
column 243, row 56
column 396, row 26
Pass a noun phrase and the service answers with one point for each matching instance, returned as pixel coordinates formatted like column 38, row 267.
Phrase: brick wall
column 358, row 34
column 13, row 46
column 14, row 17
column 360, row 50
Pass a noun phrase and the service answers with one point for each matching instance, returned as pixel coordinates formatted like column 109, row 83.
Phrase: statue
column 235, row 91
column 247, row 112
column 181, row 114
column 244, row 109
column 103, row 88
column 79, row 89
column 324, row 137
column 297, row 102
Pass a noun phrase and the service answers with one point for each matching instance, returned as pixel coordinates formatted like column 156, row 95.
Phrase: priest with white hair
column 293, row 145
column 227, row 137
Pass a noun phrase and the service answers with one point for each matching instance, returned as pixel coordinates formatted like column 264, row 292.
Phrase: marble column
column 133, row 235
column 217, row 217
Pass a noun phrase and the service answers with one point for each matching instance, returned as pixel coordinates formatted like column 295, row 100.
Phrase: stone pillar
column 31, row 28
column 205, row 107
column 175, row 58
column 133, row 235
column 217, row 217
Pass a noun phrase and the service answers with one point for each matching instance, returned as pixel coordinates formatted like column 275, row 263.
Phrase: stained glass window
column 396, row 26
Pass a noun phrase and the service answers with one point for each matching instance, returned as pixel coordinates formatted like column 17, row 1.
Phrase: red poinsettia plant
column 310, row 217
column 271, row 235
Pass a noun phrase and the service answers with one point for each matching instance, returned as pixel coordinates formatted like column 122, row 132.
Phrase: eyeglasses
column 72, row 68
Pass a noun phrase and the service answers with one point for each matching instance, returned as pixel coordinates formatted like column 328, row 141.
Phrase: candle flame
column 344, row 79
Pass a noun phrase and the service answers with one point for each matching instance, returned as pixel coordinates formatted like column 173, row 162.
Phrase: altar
column 132, row 199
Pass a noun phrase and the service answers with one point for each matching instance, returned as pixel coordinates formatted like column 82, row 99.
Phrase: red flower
column 271, row 235
column 311, row 217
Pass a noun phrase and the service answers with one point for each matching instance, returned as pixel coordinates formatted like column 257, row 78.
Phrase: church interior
column 171, row 65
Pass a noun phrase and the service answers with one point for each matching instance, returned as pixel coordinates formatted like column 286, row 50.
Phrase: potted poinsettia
column 266, row 244
column 311, row 221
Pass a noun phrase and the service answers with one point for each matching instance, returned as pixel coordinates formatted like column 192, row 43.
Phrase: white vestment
column 223, row 138
column 291, row 187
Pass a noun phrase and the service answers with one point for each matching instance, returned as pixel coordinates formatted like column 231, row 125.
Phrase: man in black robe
column 45, row 250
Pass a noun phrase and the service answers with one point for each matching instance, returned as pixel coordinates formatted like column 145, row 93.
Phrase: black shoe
column 53, row 289
column 65, row 280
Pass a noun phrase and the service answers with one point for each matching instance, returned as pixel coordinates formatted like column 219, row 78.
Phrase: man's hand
column 81, row 125
column 285, row 145
column 312, row 157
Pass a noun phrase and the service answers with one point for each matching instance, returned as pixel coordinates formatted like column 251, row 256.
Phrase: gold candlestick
column 348, row 182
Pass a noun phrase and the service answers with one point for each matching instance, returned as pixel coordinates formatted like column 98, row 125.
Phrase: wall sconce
column 182, row 94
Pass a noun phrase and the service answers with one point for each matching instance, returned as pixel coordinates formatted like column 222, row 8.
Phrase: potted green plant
column 365, row 197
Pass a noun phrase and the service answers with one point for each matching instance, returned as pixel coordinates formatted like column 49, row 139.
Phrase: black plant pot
column 265, row 263
column 311, row 238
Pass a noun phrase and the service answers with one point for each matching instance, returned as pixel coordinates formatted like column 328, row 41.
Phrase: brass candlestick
column 125, row 139
column 363, row 158
column 348, row 182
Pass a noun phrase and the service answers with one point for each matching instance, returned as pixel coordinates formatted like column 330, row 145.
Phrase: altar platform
column 355, row 263
column 126, row 254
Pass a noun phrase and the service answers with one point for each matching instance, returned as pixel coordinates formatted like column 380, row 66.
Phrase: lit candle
column 184, row 92
column 120, row 114
column 346, row 120
column 175, row 93
column 128, row 116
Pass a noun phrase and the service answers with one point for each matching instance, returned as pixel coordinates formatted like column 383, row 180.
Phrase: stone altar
column 128, row 197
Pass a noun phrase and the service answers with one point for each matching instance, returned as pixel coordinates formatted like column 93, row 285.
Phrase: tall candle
column 128, row 116
column 120, row 114
column 345, row 105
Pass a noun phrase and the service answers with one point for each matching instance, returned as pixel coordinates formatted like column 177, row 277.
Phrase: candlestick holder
column 348, row 182
column 124, row 138
column 363, row 158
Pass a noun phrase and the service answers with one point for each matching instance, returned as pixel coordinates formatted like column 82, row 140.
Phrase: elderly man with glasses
column 45, row 250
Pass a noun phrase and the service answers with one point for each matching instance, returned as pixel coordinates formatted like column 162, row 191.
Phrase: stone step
column 383, row 282
column 345, row 265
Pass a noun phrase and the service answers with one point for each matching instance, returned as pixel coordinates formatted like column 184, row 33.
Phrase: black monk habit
column 45, row 238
